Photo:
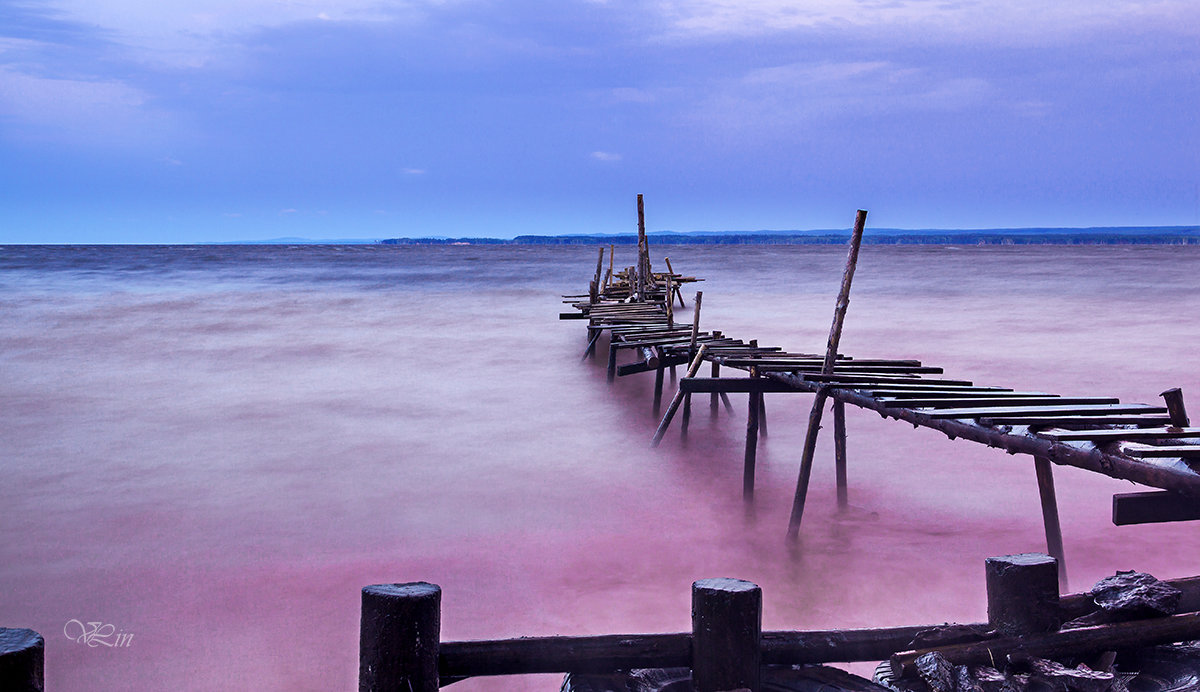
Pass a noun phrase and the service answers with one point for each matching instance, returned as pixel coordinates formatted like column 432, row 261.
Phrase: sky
column 209, row 120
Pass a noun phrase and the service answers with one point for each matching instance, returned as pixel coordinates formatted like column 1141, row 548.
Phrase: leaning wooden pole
column 1054, row 541
column 687, row 398
column 831, row 352
column 674, row 405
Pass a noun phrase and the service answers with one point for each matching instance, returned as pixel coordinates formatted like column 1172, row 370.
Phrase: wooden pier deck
column 1150, row 444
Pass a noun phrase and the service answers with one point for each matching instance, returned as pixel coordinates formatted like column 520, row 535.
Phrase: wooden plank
column 997, row 400
column 1108, row 435
column 1153, row 507
column 1155, row 451
column 918, row 392
column 1079, row 410
column 740, row 385
column 871, row 379
column 1093, row 421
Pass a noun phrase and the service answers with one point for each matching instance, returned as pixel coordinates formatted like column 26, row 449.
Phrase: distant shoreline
column 1131, row 235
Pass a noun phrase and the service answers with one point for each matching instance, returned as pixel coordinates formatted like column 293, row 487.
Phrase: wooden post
column 1175, row 409
column 670, row 305
column 712, row 401
column 643, row 269
column 843, row 302
column 612, row 360
column 831, row 351
column 399, row 638
column 658, row 387
column 1022, row 593
column 726, row 635
column 762, row 415
column 839, row 453
column 687, row 398
column 751, row 442
column 678, row 288
column 678, row 399
column 599, row 268
column 1054, row 542
column 22, row 660
column 591, row 347
column 806, row 460
column 608, row 276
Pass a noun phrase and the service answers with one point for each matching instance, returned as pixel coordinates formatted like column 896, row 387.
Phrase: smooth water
column 214, row 448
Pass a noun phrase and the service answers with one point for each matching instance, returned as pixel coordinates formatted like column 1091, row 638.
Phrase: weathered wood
column 678, row 398
column 712, row 400
column 1134, row 449
column 726, row 635
column 997, row 400
column 608, row 276
column 806, row 460
column 843, row 301
column 591, row 347
column 1153, row 507
column 658, row 387
column 935, row 390
column 871, row 381
column 399, row 637
column 751, row 454
column 1022, row 593
column 642, row 366
column 839, row 453
column 1174, row 400
column 1072, row 642
column 1054, row 541
column 670, row 303
column 612, row 361
column 736, row 385
column 1078, row 410
column 22, row 660
column 1089, row 421
column 1167, row 433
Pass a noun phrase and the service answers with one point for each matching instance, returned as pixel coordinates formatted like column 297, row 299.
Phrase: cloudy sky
column 191, row 120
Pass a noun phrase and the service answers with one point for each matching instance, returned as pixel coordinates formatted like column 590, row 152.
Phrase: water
column 214, row 448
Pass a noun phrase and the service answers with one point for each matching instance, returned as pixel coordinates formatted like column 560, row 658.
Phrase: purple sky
column 131, row 121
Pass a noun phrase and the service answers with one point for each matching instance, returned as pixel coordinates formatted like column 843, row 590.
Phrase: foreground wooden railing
column 400, row 646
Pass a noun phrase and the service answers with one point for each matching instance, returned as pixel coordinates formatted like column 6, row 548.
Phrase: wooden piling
column 831, row 351
column 687, row 398
column 1175, row 408
column 608, row 276
column 726, row 635
column 612, row 361
column 751, row 441
column 839, row 453
column 1022, row 593
column 1054, row 541
column 713, row 404
column 399, row 638
column 678, row 399
column 22, row 660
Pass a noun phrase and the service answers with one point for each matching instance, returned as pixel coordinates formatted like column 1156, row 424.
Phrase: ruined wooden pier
column 1150, row 444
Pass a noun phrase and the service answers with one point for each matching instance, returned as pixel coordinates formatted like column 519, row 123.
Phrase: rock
column 936, row 671
column 1136, row 594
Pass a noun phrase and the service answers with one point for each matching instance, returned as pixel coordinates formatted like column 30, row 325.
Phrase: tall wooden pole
column 643, row 251
column 831, row 352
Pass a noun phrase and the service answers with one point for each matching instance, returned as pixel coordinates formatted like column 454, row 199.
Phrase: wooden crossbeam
column 1109, row 435
column 644, row 366
column 1060, row 420
column 740, row 385
column 865, row 380
column 1159, row 451
column 1080, row 410
column 1004, row 399
column 1153, row 507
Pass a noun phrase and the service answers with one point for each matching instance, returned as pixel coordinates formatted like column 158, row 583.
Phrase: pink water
column 214, row 449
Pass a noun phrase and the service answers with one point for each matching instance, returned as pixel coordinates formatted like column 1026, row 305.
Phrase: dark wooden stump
column 22, row 660
column 1022, row 593
column 399, row 638
column 726, row 635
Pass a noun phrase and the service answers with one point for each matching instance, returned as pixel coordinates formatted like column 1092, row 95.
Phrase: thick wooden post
column 1022, row 593
column 612, row 360
column 399, row 639
column 726, row 635
column 839, row 453
column 751, row 441
column 22, row 660
column 1054, row 542
column 1175, row 409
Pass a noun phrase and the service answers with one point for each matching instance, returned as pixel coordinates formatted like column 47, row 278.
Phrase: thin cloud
column 606, row 156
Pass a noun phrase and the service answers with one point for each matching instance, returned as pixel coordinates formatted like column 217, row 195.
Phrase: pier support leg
column 687, row 416
column 612, row 363
column 658, row 387
column 839, row 452
column 725, row 400
column 1054, row 542
column 806, row 461
column 712, row 398
column 591, row 347
column 752, row 424
column 762, row 415
column 399, row 638
column 1022, row 593
column 22, row 660
column 726, row 635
